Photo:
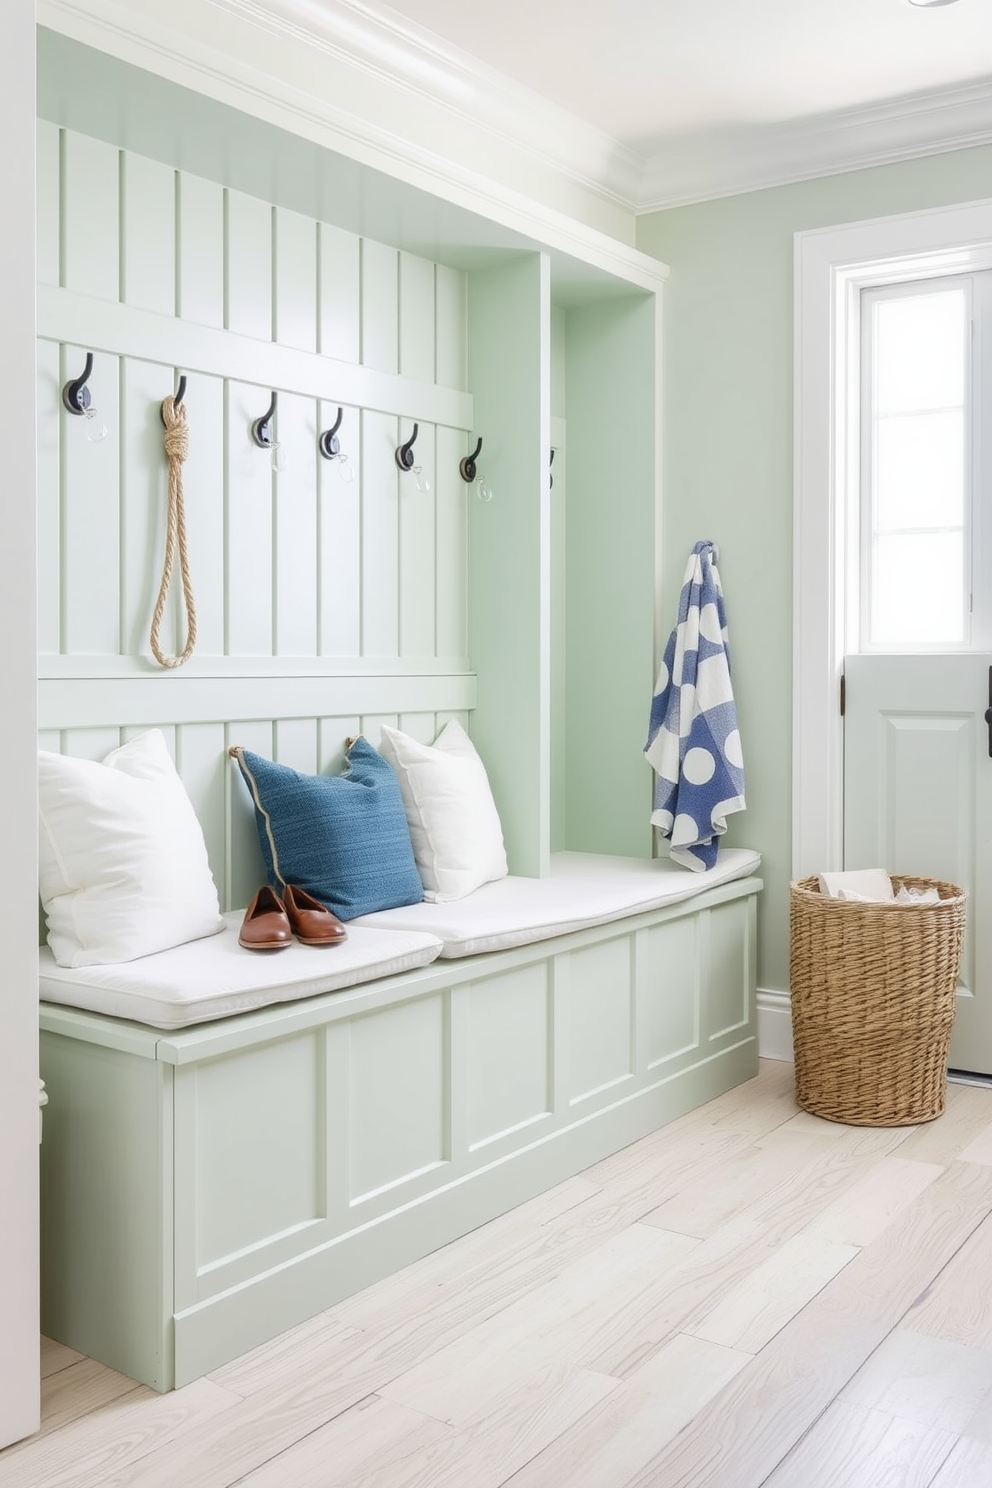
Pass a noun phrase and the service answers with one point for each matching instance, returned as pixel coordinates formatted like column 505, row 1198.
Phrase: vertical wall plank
column 417, row 554
column 338, row 525
column 48, row 202
column 451, row 327
column 296, row 530
column 451, row 523
column 203, row 486
column 203, row 763
column 90, row 216
column 248, row 504
column 144, row 508
column 380, row 308
column 91, row 743
column 201, row 251
column 332, row 735
column 245, row 867
column 380, row 535
column 340, row 279
column 90, row 515
column 295, row 277
column 49, row 519
column 371, row 725
column 422, row 726
column 416, row 317
column 297, row 744
column 148, row 209
column 248, row 239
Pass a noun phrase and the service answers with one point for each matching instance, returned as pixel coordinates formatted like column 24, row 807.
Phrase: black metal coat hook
column 404, row 455
column 261, row 429
column 75, row 394
column 179, row 396
column 466, row 467
column 329, row 443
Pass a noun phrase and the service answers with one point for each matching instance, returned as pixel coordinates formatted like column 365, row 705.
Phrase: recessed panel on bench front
column 668, row 989
column 259, row 1148
column 398, row 1080
column 728, row 952
column 509, row 1076
column 601, row 1016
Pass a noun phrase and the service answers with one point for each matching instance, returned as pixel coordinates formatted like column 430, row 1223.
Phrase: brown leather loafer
column 312, row 922
column 265, row 926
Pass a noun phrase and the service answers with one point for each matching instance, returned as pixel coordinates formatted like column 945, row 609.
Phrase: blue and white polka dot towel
column 693, row 743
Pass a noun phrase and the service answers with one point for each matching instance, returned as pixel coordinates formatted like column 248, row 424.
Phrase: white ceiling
column 643, row 71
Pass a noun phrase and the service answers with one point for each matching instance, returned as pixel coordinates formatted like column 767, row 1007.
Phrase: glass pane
column 918, row 590
column 919, row 474
column 919, row 345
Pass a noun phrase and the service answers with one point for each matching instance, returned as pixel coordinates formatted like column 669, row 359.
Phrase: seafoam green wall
column 727, row 402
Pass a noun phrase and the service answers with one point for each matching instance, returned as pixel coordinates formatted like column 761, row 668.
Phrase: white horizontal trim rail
column 152, row 701
column 122, row 330
column 258, row 668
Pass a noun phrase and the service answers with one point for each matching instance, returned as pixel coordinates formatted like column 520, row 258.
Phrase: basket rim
column 808, row 887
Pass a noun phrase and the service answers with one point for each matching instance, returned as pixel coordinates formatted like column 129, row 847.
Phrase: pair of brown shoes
column 270, row 922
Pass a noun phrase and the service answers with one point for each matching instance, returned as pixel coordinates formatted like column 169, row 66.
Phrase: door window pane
column 917, row 589
column 915, row 512
column 919, row 344
column 919, row 471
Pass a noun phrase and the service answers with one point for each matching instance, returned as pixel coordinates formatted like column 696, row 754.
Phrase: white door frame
column 832, row 265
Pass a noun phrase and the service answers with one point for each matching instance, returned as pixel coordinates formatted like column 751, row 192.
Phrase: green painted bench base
column 205, row 1190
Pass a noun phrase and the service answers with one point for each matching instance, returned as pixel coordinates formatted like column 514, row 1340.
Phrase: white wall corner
column 700, row 167
column 774, row 1025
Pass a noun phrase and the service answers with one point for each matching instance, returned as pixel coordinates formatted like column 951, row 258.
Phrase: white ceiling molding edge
column 414, row 59
column 373, row 43
column 152, row 44
column 695, row 168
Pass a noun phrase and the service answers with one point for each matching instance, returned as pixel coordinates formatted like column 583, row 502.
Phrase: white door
column 917, row 752
column 918, row 800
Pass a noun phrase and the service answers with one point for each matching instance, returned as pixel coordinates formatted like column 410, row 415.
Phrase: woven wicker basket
column 873, row 1003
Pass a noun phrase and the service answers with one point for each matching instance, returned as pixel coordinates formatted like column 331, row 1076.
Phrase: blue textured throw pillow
column 342, row 838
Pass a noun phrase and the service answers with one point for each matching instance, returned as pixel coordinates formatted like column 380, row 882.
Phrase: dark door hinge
column 843, row 694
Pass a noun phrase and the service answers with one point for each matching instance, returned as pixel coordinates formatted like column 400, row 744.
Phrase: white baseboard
column 774, row 1025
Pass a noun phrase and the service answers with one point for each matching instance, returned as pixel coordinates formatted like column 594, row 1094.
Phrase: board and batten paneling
column 159, row 272
column 221, row 715
column 325, row 608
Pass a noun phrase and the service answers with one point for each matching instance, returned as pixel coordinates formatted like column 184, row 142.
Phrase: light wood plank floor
column 749, row 1296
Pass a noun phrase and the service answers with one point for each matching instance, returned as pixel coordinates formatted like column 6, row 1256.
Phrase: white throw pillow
column 123, row 868
column 454, row 825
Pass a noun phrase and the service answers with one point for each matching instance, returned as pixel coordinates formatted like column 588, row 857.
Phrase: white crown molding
column 369, row 41
column 378, row 41
column 150, row 40
column 701, row 167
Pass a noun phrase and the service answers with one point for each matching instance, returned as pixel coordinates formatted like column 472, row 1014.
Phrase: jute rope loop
column 176, row 449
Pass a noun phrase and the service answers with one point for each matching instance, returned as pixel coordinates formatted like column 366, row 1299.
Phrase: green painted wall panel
column 509, row 548
column 610, row 506
column 727, row 425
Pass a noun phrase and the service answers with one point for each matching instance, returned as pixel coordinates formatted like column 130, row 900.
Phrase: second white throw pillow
column 454, row 825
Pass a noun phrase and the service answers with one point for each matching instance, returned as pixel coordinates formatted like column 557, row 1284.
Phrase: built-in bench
column 235, row 1142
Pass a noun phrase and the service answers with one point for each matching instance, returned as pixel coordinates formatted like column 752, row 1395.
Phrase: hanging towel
column 693, row 742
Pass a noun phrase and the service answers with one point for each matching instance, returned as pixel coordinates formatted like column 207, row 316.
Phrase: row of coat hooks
column 77, row 400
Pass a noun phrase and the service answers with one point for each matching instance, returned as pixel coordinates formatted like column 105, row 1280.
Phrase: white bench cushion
column 582, row 889
column 216, row 977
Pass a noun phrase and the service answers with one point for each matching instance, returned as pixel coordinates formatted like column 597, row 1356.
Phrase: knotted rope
column 176, row 449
